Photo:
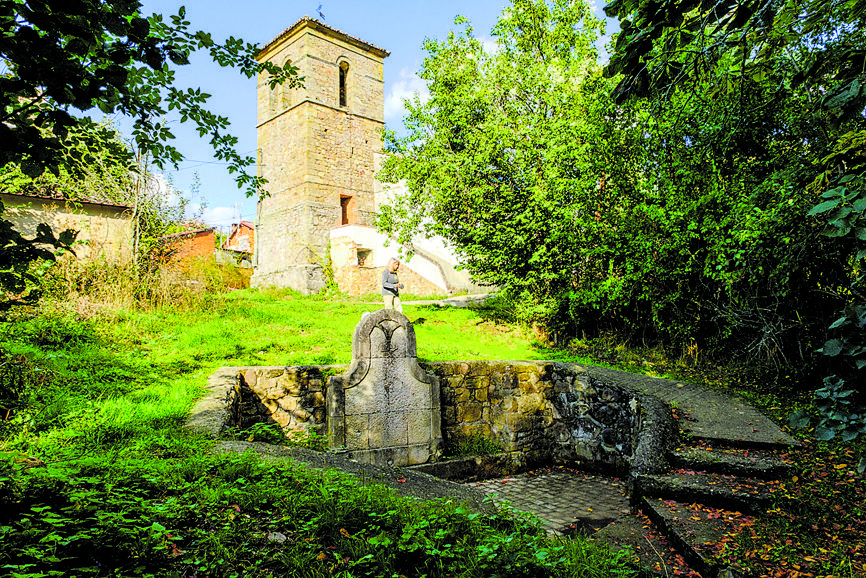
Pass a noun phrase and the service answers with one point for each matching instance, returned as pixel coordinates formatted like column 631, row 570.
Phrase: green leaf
column 798, row 420
column 824, row 433
column 832, row 348
column 823, row 207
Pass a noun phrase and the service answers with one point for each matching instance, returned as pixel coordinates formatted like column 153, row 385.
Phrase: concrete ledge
column 211, row 415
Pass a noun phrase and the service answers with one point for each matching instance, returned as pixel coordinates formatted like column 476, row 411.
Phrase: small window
column 344, row 80
column 344, row 210
column 363, row 255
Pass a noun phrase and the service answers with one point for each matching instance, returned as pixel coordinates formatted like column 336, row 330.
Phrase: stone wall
column 315, row 151
column 355, row 277
column 292, row 397
column 537, row 412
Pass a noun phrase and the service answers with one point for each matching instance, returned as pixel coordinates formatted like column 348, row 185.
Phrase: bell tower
column 317, row 147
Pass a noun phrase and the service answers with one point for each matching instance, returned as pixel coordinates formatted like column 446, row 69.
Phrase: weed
column 473, row 445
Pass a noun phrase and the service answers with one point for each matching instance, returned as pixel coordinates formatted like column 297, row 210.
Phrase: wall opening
column 363, row 255
column 344, row 81
column 345, row 210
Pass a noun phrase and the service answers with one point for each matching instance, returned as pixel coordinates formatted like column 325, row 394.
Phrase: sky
column 399, row 27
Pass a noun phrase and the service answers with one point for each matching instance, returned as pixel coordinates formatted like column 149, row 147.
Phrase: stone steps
column 732, row 492
column 681, row 519
column 695, row 530
column 730, row 461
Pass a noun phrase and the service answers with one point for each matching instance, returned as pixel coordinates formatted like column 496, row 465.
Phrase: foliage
column 107, row 55
column 238, row 515
column 807, row 60
column 502, row 161
column 272, row 433
column 473, row 445
column 19, row 282
column 156, row 206
column 98, row 477
column 63, row 57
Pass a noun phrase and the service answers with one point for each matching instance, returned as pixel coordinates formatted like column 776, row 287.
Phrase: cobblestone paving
column 564, row 500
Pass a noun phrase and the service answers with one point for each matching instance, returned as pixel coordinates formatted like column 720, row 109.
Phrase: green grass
column 98, row 478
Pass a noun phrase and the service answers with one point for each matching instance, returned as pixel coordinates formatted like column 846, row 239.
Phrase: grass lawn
column 97, row 477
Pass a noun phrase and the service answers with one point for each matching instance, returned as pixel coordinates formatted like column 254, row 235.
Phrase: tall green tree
column 503, row 159
column 805, row 58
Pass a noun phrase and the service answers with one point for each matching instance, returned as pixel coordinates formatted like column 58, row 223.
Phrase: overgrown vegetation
column 98, row 478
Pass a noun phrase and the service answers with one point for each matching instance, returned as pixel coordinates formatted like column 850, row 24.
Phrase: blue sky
column 397, row 26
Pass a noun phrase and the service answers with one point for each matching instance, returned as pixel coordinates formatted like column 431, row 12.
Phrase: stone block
column 288, row 382
column 468, row 413
column 477, row 382
column 421, row 454
column 531, row 402
column 396, row 429
column 420, row 426
column 357, row 432
column 518, row 422
column 288, row 403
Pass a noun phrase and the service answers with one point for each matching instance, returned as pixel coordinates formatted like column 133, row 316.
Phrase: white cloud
column 406, row 87
column 220, row 216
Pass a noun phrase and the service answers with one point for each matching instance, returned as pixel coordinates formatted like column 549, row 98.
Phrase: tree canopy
column 68, row 57
column 806, row 63
column 500, row 161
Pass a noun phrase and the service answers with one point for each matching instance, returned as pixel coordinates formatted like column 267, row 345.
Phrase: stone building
column 104, row 229
column 319, row 149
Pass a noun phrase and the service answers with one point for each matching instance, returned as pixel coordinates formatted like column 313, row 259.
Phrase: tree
column 500, row 161
column 808, row 57
column 66, row 56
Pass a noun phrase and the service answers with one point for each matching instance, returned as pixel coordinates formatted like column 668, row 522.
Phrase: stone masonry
column 385, row 409
column 539, row 412
column 317, row 146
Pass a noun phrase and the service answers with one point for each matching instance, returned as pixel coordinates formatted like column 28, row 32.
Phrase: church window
column 344, row 81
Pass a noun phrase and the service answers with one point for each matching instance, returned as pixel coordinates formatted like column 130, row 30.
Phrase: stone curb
column 404, row 481
column 702, row 489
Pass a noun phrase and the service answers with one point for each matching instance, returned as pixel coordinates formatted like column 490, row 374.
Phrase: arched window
column 344, row 84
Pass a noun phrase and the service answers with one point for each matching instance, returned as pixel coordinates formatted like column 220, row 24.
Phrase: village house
column 104, row 229
column 194, row 243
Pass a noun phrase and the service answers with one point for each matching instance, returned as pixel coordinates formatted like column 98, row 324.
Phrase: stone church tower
column 317, row 149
